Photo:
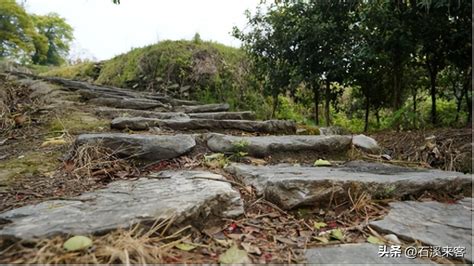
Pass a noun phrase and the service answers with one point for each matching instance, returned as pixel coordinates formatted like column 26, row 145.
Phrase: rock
column 351, row 254
column 392, row 239
column 141, row 123
column 263, row 146
column 224, row 115
column 366, row 144
column 123, row 203
column 203, row 108
column 115, row 112
column 328, row 131
column 293, row 186
column 146, row 148
column 432, row 223
column 177, row 102
column 39, row 88
column 128, row 103
column 80, row 85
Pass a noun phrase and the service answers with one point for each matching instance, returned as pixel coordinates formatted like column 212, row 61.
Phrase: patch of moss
column 29, row 164
column 308, row 130
column 78, row 122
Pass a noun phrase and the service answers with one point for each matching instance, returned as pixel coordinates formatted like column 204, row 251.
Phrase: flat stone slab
column 146, row 148
column 293, row 186
column 142, row 123
column 128, row 103
column 115, row 112
column 262, row 146
column 202, row 108
column 350, row 254
column 178, row 194
column 432, row 223
column 247, row 115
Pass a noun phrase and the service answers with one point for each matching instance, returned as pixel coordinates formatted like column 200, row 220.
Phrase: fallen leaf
column 224, row 242
column 185, row 246
column 77, row 243
column 337, row 234
column 321, row 162
column 319, row 225
column 321, row 239
column 234, row 255
column 374, row 240
column 256, row 161
column 284, row 240
column 251, row 248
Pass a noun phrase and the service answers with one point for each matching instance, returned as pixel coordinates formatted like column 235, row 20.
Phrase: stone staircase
column 198, row 197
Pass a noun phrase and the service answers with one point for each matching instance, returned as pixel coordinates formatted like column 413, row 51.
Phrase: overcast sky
column 104, row 30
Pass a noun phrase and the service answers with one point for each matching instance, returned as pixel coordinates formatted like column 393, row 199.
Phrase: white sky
column 103, row 30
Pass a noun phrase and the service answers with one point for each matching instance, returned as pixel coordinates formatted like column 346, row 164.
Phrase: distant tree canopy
column 375, row 47
column 43, row 40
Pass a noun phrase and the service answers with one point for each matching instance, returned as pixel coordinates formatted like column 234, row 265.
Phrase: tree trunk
column 275, row 105
column 327, row 104
column 433, row 74
column 316, row 103
column 415, row 114
column 397, row 84
column 468, row 103
column 367, row 109
column 377, row 116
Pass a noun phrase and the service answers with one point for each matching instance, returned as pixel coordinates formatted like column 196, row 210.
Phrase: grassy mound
column 196, row 70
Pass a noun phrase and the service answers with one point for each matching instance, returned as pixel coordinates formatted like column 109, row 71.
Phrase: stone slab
column 115, row 112
column 146, row 148
column 121, row 204
column 292, row 186
column 202, row 108
column 432, row 223
column 128, row 103
column 141, row 123
column 224, row 115
column 262, row 146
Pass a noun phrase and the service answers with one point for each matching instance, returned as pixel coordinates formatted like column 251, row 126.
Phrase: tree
column 16, row 31
column 58, row 35
column 435, row 41
column 322, row 43
column 268, row 45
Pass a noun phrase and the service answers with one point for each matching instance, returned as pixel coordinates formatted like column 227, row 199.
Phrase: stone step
column 431, row 223
column 141, row 123
column 263, row 146
column 80, row 85
column 246, row 115
column 205, row 108
column 115, row 112
column 129, row 103
column 188, row 196
column 333, row 146
column 141, row 148
column 291, row 186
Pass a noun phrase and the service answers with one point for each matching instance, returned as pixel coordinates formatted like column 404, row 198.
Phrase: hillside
column 194, row 70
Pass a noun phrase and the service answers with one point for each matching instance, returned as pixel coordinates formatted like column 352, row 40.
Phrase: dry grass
column 97, row 161
column 138, row 245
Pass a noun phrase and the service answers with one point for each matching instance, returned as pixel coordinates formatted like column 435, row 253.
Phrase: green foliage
column 17, row 31
column 28, row 38
column 55, row 36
